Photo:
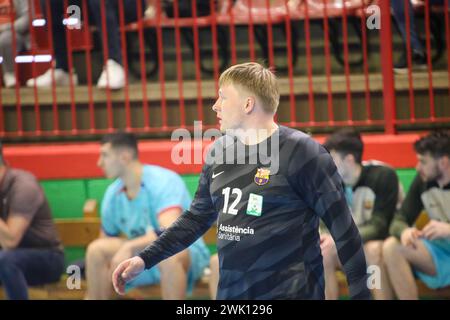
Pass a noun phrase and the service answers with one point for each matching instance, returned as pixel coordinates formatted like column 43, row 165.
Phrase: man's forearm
column 6, row 238
column 138, row 244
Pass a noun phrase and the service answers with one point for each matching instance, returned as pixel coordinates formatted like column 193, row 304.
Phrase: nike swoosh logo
column 217, row 174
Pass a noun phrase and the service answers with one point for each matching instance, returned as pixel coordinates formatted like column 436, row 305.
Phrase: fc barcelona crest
column 262, row 176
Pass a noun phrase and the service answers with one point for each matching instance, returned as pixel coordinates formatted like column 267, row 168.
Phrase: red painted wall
column 79, row 160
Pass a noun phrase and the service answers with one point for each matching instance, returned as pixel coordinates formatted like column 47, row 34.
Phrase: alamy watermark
column 234, row 146
column 73, row 281
column 374, row 19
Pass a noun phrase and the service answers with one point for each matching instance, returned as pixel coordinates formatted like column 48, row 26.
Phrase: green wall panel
column 66, row 197
column 191, row 181
column 96, row 188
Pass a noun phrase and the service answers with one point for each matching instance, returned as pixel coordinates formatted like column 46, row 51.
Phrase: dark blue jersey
column 267, row 203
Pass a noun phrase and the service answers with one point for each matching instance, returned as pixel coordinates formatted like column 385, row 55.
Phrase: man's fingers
column 428, row 232
column 118, row 281
column 130, row 272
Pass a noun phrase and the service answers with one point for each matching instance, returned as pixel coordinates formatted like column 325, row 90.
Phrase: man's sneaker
column 115, row 78
column 9, row 79
column 62, row 78
column 419, row 62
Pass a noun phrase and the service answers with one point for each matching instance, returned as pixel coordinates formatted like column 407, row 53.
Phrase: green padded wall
column 406, row 176
column 191, row 181
column 95, row 189
column 66, row 197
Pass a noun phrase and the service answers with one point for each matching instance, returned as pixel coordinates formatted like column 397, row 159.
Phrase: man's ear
column 249, row 105
column 444, row 162
column 349, row 159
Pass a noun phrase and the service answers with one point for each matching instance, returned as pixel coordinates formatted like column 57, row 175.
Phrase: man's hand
column 326, row 243
column 125, row 272
column 436, row 230
column 409, row 237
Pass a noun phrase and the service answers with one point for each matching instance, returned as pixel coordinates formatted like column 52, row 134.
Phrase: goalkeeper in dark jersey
column 267, row 186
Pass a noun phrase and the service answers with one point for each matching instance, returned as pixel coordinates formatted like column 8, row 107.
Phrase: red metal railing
column 147, row 103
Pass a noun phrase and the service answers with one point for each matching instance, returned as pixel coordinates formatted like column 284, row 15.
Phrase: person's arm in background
column 25, row 199
column 386, row 194
column 12, row 231
column 320, row 186
column 410, row 210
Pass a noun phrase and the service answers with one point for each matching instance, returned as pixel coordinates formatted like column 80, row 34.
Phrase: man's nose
column 215, row 106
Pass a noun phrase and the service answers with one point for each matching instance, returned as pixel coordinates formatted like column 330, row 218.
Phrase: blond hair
column 256, row 79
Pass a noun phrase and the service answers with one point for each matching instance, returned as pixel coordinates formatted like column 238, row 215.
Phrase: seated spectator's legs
column 400, row 259
column 176, row 275
column 214, row 277
column 174, row 272
column 330, row 265
column 398, row 8
column 22, row 267
column 61, row 72
column 6, row 40
column 113, row 66
column 99, row 256
column 112, row 22
column 58, row 30
column 373, row 250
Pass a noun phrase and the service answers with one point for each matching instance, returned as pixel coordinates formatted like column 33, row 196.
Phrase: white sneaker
column 9, row 79
column 62, row 78
column 116, row 76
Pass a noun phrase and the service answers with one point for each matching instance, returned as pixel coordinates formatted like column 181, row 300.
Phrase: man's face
column 341, row 164
column 110, row 161
column 427, row 167
column 229, row 107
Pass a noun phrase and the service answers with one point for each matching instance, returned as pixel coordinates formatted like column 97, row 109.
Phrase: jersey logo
column 262, row 176
column 217, row 174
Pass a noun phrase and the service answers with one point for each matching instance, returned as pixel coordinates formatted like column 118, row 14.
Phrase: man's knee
column 214, row 263
column 373, row 251
column 5, row 39
column 330, row 260
column 96, row 251
column 174, row 262
column 7, row 263
column 391, row 248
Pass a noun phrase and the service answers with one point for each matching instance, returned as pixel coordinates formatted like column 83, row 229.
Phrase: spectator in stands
column 418, row 53
column 21, row 29
column 372, row 193
column 140, row 203
column 425, row 253
column 113, row 73
column 31, row 252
